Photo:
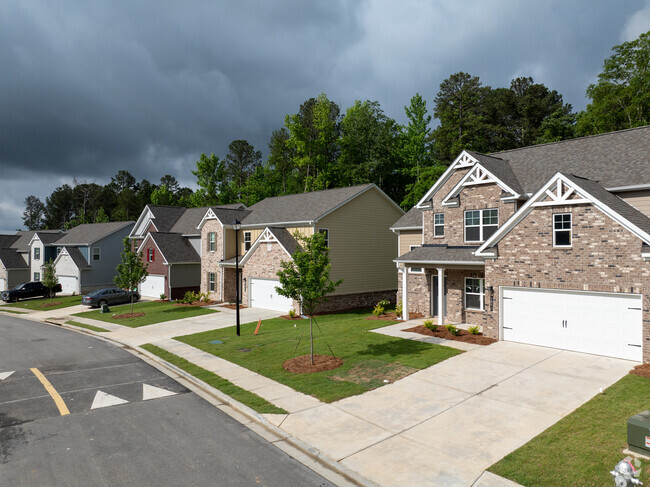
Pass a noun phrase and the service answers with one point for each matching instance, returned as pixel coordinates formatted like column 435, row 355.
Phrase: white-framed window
column 211, row 281
column 415, row 270
column 247, row 241
column 37, row 254
column 58, row 250
column 212, row 241
column 150, row 254
column 438, row 224
column 97, row 253
column 562, row 230
column 481, row 224
column 37, row 276
column 474, row 293
column 326, row 232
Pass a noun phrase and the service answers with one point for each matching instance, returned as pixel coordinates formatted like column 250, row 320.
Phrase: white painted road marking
column 4, row 375
column 151, row 392
column 103, row 400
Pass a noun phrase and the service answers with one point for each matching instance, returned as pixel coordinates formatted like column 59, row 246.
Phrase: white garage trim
column 153, row 286
column 69, row 284
column 3, row 284
column 263, row 295
column 599, row 323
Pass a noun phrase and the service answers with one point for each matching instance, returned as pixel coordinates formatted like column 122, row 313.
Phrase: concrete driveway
column 446, row 424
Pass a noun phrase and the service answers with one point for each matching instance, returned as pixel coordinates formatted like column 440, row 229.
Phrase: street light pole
column 236, row 225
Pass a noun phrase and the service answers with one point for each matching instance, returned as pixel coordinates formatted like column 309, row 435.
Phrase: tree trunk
column 311, row 339
column 131, row 302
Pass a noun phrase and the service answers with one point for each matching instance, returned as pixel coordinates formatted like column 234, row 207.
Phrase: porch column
column 441, row 296
column 405, row 294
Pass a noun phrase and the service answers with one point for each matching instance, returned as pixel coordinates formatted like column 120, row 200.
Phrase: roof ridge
column 310, row 192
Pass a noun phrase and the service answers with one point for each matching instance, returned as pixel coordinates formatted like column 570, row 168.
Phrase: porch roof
column 441, row 254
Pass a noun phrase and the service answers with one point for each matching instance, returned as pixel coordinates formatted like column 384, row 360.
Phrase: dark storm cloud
column 88, row 88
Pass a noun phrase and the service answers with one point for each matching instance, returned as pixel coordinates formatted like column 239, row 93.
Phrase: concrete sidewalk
column 443, row 425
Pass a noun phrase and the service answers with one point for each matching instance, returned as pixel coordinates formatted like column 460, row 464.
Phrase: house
column 15, row 257
column 169, row 242
column 355, row 221
column 85, row 257
column 547, row 245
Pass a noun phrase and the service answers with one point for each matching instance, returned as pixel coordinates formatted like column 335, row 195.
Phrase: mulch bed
column 233, row 306
column 287, row 317
column 442, row 332
column 643, row 370
column 303, row 365
column 394, row 317
column 127, row 315
column 195, row 303
column 47, row 305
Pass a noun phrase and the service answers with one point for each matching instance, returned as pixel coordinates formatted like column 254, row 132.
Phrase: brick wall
column 157, row 267
column 209, row 259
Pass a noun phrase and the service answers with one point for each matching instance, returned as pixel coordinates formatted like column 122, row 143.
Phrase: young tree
column 131, row 271
column 306, row 278
column 49, row 277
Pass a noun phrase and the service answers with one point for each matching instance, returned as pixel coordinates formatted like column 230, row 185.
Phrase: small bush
column 292, row 313
column 454, row 330
column 190, row 297
column 430, row 325
column 204, row 297
column 384, row 303
column 474, row 330
column 398, row 309
column 163, row 297
column 378, row 310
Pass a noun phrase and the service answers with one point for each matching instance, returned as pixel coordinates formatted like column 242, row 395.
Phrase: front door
column 434, row 295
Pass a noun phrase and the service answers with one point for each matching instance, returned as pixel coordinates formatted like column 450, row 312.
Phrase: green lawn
column 153, row 313
column 46, row 304
column 87, row 327
column 369, row 358
column 584, row 446
column 251, row 400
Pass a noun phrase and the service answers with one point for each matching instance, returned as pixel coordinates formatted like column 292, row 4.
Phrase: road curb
column 252, row 415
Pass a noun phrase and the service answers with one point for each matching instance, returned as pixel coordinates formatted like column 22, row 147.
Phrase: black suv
column 34, row 289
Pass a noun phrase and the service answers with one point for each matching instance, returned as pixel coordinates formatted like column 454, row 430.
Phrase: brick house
column 355, row 221
column 547, row 245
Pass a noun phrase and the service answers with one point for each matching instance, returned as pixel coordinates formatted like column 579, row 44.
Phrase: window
column 211, row 281
column 326, row 232
column 247, row 241
column 480, row 224
column 96, row 253
column 474, row 293
column 37, row 276
column 37, row 253
column 58, row 250
column 150, row 255
column 438, row 224
column 212, row 241
column 415, row 270
column 562, row 230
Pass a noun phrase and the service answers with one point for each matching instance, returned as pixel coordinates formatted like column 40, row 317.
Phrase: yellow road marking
column 63, row 409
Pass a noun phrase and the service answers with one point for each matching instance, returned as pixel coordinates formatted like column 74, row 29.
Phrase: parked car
column 110, row 295
column 34, row 289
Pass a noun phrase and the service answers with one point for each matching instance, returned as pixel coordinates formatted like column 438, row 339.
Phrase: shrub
column 454, row 330
column 430, row 325
column 384, row 303
column 163, row 297
column 204, row 297
column 292, row 313
column 398, row 309
column 474, row 330
column 378, row 310
column 190, row 297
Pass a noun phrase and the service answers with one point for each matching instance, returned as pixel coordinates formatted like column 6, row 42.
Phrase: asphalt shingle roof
column 175, row 248
column 11, row 259
column 77, row 257
column 229, row 215
column 440, row 253
column 285, row 239
column 188, row 221
column 411, row 219
column 165, row 216
column 22, row 244
column 89, row 233
column 303, row 207
column 7, row 241
column 500, row 168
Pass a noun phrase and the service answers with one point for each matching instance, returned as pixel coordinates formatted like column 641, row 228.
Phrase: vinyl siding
column 407, row 238
column 639, row 199
column 185, row 275
column 362, row 246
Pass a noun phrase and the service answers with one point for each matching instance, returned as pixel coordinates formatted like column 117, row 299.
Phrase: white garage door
column 264, row 295
column 3, row 284
column 153, row 286
column 68, row 284
column 607, row 324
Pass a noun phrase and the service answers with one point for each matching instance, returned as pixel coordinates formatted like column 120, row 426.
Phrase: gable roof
column 25, row 238
column 7, row 241
column 188, row 222
column 270, row 234
column 77, row 257
column 225, row 215
column 174, row 248
column 89, row 233
column 11, row 259
column 500, row 168
column 411, row 220
column 441, row 254
column 164, row 217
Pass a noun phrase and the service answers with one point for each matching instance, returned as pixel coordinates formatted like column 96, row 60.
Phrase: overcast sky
column 88, row 88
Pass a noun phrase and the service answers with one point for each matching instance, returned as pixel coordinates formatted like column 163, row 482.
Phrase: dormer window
column 562, row 230
column 481, row 224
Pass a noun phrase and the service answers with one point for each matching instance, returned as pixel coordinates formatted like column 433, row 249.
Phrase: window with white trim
column 58, row 250
column 37, row 254
column 97, row 253
column 438, row 224
column 37, row 276
column 150, row 255
column 247, row 241
column 326, row 232
column 211, row 281
column 415, row 270
column 212, row 241
column 474, row 293
column 481, row 224
column 562, row 230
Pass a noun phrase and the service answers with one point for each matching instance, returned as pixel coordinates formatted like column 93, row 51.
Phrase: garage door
column 68, row 284
column 153, row 286
column 3, row 284
column 264, row 295
column 607, row 324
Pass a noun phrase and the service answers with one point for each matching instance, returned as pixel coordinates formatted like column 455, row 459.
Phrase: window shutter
column 153, row 255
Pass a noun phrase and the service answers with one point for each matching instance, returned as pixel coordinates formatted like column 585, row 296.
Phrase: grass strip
column 87, row 327
column 251, row 400
column 154, row 312
column 14, row 311
column 584, row 446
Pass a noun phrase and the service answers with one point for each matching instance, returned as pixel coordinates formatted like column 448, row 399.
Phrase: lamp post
column 236, row 225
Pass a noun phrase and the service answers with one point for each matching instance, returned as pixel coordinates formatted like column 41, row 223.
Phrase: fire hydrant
column 625, row 475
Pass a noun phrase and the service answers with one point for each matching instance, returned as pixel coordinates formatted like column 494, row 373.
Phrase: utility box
column 638, row 433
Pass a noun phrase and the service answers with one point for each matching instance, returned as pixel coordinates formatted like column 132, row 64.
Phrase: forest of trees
column 319, row 147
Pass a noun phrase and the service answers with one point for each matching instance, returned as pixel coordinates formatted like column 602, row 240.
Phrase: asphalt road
column 77, row 411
